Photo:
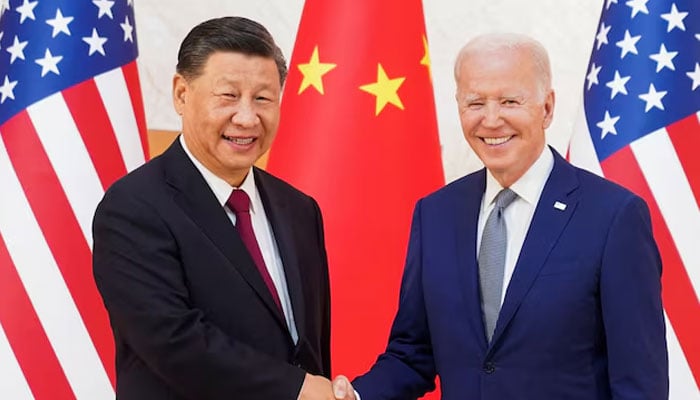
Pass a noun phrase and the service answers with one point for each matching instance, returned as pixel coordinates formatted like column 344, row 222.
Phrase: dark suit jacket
column 191, row 316
column 581, row 319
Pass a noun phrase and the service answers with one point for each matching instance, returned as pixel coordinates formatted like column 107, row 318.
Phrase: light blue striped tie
column 492, row 260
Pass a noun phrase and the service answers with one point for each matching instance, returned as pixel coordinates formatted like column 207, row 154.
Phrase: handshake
column 317, row 387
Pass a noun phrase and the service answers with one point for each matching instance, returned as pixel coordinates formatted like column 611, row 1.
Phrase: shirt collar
column 529, row 186
column 221, row 188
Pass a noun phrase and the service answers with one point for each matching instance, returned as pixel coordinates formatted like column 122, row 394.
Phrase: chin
column 497, row 167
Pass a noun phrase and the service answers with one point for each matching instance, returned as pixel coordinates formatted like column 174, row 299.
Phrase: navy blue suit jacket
column 582, row 315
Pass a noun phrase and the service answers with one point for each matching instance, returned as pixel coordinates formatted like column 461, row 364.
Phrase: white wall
column 566, row 28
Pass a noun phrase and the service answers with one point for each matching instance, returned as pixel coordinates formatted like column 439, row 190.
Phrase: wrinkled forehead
column 518, row 48
column 509, row 71
column 495, row 57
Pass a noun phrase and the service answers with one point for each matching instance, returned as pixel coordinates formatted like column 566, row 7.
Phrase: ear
column 180, row 87
column 548, row 109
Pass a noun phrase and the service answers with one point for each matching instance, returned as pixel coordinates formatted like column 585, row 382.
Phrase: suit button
column 489, row 367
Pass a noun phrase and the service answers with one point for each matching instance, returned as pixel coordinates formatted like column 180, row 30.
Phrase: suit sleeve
column 326, row 317
column 139, row 274
column 406, row 370
column 630, row 292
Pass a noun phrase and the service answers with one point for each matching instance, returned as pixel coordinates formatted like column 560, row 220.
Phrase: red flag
column 640, row 127
column 71, row 123
column 359, row 133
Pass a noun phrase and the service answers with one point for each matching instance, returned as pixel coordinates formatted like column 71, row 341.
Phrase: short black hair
column 234, row 34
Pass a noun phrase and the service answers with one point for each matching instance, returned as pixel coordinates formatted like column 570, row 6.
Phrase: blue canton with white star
column 49, row 45
column 644, row 72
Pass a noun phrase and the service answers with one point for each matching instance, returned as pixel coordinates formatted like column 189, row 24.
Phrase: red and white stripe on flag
column 71, row 123
column 640, row 127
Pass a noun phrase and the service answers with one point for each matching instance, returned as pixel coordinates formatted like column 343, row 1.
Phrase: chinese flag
column 359, row 134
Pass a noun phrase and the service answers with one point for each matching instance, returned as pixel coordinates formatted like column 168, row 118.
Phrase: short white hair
column 494, row 42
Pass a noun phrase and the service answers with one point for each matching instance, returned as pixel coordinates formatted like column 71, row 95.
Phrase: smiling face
column 230, row 112
column 505, row 104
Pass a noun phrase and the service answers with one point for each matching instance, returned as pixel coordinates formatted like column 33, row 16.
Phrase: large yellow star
column 385, row 89
column 313, row 72
column 426, row 57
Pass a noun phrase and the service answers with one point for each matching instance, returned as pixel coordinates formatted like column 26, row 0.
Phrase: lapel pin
column 559, row 206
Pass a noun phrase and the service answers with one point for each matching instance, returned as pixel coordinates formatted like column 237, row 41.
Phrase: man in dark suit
column 531, row 278
column 214, row 273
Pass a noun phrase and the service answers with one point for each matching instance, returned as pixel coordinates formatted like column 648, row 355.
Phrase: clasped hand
column 319, row 388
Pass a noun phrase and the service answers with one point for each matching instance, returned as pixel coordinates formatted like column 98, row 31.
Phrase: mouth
column 239, row 140
column 495, row 141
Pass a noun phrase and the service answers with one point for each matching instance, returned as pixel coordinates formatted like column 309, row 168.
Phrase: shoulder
column 152, row 177
column 469, row 185
column 594, row 192
column 141, row 181
column 281, row 198
column 276, row 187
column 601, row 191
column 599, row 201
column 145, row 189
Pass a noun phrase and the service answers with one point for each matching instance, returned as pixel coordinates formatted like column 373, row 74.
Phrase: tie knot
column 504, row 198
column 239, row 201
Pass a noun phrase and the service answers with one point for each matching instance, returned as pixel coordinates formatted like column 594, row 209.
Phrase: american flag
column 640, row 127
column 71, row 122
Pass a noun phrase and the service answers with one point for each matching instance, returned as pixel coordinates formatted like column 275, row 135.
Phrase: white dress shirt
column 518, row 214
column 261, row 228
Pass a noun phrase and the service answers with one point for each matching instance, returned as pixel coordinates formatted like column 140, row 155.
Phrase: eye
column 510, row 102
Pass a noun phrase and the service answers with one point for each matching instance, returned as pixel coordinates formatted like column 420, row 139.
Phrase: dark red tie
column 239, row 203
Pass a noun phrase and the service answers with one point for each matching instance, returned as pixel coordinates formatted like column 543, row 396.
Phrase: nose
column 245, row 115
column 492, row 115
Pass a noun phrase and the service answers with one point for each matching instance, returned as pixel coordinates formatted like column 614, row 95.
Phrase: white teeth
column 240, row 140
column 495, row 141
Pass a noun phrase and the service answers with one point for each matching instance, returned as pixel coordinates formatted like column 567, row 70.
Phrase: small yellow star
column 313, row 72
column 385, row 89
column 426, row 57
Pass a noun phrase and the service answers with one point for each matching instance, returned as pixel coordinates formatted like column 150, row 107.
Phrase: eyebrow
column 473, row 97
column 470, row 97
column 225, row 80
column 513, row 97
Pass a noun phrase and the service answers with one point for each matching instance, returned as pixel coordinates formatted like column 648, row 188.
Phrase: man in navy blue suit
column 528, row 279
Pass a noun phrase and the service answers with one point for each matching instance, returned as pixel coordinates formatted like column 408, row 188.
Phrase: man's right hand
column 316, row 387
column 342, row 388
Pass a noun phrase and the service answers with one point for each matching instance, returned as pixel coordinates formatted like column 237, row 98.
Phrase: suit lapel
column 547, row 224
column 467, row 219
column 278, row 215
column 195, row 198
